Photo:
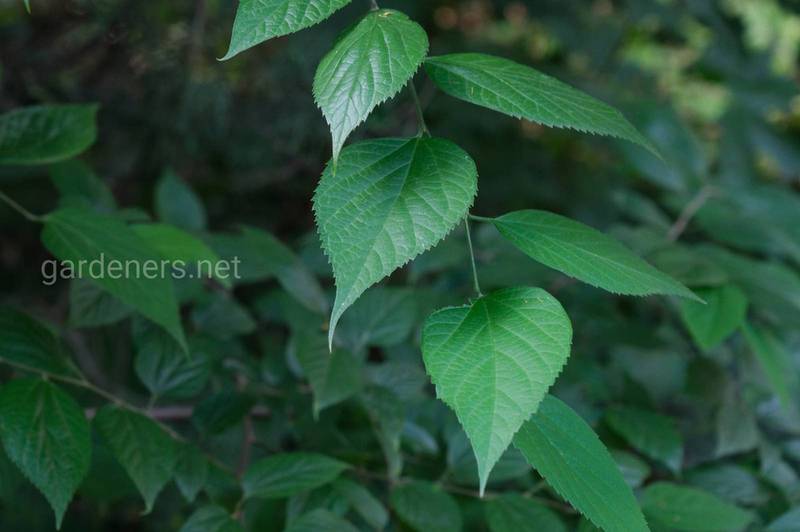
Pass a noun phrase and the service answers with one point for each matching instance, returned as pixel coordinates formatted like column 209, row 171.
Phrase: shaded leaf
column 46, row 435
column 168, row 372
column 775, row 362
column 712, row 323
column 683, row 508
column 91, row 306
column 514, row 513
column 652, row 434
column 284, row 475
column 146, row 452
column 211, row 519
column 333, row 377
column 26, row 342
column 191, row 472
column 77, row 235
column 363, row 502
column 426, row 508
column 320, row 520
column 177, row 204
column 568, row 454
column 45, row 134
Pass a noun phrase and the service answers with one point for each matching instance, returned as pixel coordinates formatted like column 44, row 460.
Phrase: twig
column 688, row 212
column 472, row 259
column 20, row 209
column 423, row 127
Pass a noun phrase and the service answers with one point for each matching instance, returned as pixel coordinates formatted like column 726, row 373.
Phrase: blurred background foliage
column 713, row 83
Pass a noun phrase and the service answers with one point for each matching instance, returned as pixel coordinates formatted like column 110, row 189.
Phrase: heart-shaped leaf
column 493, row 361
column 390, row 200
column 260, row 20
column 369, row 64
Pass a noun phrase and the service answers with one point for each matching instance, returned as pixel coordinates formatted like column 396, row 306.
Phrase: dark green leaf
column 712, row 323
column 426, row 508
column 284, row 475
column 146, row 452
column 515, row 513
column 45, row 433
column 27, row 342
column 573, row 460
column 690, row 509
column 320, row 520
column 652, row 434
column 45, row 134
column 211, row 519
column 333, row 377
column 177, row 204
column 191, row 472
column 81, row 237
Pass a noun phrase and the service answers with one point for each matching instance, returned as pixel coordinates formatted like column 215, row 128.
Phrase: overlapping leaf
column 573, row 460
column 81, row 236
column 493, row 361
column 46, row 133
column 145, row 451
column 585, row 253
column 683, row 508
column 284, row 475
column 46, row 435
column 426, row 508
column 522, row 92
column 369, row 64
column 26, row 342
column 390, row 200
column 260, row 20
column 653, row 434
column 712, row 323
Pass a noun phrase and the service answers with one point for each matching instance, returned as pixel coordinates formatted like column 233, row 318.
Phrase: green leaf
column 634, row 470
column 91, row 306
column 220, row 411
column 46, row 134
column 690, row 509
column 260, row 20
column 166, row 371
column 222, row 316
column 177, row 204
column 585, row 253
column 191, row 472
column 390, row 200
column 363, row 502
column 522, row 92
column 320, row 520
column 493, row 361
column 76, row 181
column 27, row 342
column 79, row 236
column 775, row 362
column 369, row 64
column 27, row 5
column 287, row 474
column 568, row 454
column 188, row 254
column 211, row 519
column 384, row 316
column 788, row 522
column 514, row 513
column 146, row 452
column 333, row 377
column 426, row 508
column 652, row 434
column 712, row 323
column 46, row 435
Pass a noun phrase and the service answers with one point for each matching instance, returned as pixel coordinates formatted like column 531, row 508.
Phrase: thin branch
column 688, row 212
column 20, row 209
column 423, row 127
column 472, row 258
